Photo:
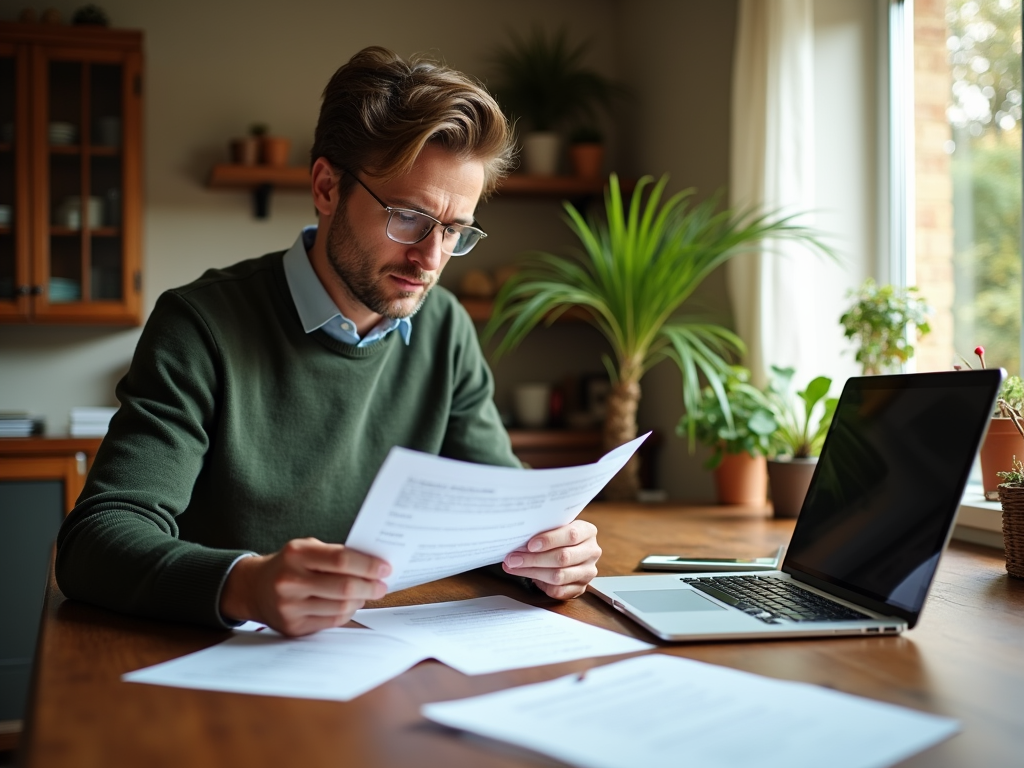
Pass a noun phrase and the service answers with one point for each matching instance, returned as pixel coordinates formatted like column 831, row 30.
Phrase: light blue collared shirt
column 316, row 308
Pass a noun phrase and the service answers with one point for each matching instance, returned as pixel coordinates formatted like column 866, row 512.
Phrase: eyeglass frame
column 392, row 210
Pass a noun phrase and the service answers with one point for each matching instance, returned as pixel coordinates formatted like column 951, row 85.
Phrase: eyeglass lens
column 409, row 227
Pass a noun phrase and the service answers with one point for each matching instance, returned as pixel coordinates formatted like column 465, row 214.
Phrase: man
column 263, row 398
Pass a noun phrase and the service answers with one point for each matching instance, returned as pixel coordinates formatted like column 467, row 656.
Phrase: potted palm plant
column 797, row 440
column 543, row 81
column 739, row 441
column 635, row 269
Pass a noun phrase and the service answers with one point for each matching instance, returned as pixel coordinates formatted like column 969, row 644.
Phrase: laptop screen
column 889, row 482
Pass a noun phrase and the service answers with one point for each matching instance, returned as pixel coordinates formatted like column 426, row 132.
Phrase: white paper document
column 432, row 517
column 491, row 634
column 664, row 710
column 336, row 664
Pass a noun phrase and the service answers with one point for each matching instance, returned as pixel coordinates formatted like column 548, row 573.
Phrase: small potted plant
column 1011, row 498
column 740, row 439
column 542, row 81
column 586, row 152
column 803, row 420
column 1002, row 441
column 879, row 321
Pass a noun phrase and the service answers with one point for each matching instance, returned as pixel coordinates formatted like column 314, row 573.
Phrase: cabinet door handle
column 36, row 290
column 22, row 290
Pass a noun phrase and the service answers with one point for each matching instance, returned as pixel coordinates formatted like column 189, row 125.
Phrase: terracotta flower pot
column 275, row 150
column 587, row 160
column 1001, row 444
column 742, row 479
column 789, row 480
column 245, row 151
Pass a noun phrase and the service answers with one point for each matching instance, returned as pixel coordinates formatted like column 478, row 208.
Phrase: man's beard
column 354, row 265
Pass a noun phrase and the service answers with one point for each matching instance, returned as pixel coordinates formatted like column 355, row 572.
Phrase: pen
column 581, row 676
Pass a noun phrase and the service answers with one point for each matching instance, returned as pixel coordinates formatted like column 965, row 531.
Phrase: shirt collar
column 315, row 307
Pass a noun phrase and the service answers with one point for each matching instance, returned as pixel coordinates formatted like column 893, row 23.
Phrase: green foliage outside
column 985, row 115
column 878, row 321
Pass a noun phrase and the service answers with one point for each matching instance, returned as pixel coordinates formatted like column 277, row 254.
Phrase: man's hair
column 380, row 111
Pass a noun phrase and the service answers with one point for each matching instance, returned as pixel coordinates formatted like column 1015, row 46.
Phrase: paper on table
column 336, row 664
column 663, row 710
column 491, row 634
column 432, row 517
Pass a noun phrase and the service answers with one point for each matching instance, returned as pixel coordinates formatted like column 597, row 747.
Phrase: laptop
column 878, row 513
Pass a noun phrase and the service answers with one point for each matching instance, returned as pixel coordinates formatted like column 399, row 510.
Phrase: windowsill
column 979, row 521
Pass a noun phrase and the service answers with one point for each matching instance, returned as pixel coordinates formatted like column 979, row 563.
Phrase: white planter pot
column 540, row 153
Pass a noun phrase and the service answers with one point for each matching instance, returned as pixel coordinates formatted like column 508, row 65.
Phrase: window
column 967, row 179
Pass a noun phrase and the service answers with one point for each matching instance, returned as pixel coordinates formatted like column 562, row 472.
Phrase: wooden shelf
column 522, row 185
column 228, row 176
column 260, row 179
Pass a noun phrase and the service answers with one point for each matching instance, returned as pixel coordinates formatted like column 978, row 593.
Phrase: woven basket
column 1012, row 499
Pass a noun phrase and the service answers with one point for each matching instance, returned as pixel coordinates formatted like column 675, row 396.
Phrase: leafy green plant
column 746, row 428
column 635, row 269
column 802, row 425
column 878, row 321
column 1015, row 476
column 544, row 81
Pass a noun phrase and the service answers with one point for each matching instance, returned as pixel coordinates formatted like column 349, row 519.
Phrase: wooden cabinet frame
column 34, row 47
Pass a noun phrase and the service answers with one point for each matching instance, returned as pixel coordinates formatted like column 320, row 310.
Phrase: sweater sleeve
column 119, row 548
column 475, row 432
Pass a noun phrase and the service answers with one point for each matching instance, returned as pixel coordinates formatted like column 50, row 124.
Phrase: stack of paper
column 90, row 422
column 19, row 424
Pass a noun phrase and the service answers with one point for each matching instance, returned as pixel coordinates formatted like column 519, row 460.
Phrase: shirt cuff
column 229, row 623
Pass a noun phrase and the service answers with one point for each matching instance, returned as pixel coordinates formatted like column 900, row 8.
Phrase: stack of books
column 19, row 424
column 90, row 422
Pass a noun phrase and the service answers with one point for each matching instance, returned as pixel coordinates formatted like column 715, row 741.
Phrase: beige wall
column 215, row 67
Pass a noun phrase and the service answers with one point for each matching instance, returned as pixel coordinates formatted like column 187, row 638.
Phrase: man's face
column 389, row 278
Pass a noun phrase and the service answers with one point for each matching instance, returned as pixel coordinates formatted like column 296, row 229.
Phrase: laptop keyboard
column 773, row 601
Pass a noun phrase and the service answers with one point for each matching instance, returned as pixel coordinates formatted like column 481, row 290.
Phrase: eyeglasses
column 409, row 227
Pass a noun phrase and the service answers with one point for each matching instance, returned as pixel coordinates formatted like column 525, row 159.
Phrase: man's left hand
column 560, row 562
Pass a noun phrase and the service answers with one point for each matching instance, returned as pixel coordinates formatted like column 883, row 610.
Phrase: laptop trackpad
column 668, row 601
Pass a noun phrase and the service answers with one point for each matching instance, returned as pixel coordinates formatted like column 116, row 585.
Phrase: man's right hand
column 305, row 587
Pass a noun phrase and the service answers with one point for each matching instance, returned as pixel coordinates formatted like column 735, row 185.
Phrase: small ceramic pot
column 1001, row 444
column 274, row 150
column 587, row 160
column 245, row 151
column 540, row 153
column 742, row 479
column 789, row 480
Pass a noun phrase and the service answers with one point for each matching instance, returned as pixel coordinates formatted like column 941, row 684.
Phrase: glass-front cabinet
column 70, row 174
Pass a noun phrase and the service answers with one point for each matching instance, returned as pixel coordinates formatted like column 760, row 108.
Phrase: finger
column 334, row 558
column 331, row 586
column 558, row 577
column 569, row 535
column 563, row 557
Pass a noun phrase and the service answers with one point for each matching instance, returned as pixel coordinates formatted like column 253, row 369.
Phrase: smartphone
column 711, row 564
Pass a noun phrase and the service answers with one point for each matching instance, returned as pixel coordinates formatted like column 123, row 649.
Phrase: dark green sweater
column 238, row 431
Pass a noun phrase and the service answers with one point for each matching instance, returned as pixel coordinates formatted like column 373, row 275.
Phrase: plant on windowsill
column 636, row 267
column 740, row 444
column 1002, row 441
column 1011, row 499
column 543, row 81
column 879, row 321
column 803, row 421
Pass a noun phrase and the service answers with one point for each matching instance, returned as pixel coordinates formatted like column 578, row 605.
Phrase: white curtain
column 773, row 170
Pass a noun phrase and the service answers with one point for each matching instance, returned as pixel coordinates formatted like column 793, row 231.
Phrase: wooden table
column 965, row 659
